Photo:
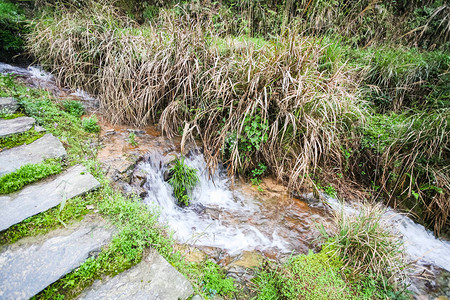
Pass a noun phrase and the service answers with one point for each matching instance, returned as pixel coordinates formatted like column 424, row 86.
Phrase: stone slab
column 29, row 266
column 46, row 147
column 8, row 105
column 42, row 196
column 14, row 126
column 153, row 278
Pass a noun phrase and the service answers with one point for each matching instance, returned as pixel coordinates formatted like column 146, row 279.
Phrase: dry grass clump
column 246, row 103
column 367, row 244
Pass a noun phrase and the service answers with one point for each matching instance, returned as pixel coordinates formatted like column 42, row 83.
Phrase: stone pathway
column 152, row 279
column 8, row 105
column 44, row 148
column 33, row 263
column 14, row 126
column 26, row 268
column 42, row 196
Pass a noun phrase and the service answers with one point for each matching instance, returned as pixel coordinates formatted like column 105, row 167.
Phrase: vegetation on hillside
column 336, row 94
column 307, row 100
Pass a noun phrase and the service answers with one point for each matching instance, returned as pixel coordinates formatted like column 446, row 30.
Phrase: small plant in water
column 256, row 174
column 183, row 180
column 132, row 139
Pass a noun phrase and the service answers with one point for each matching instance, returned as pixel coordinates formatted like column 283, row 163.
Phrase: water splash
column 218, row 215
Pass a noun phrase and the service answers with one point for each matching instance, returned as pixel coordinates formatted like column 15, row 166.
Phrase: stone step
column 30, row 265
column 8, row 105
column 14, row 126
column 153, row 278
column 46, row 147
column 41, row 196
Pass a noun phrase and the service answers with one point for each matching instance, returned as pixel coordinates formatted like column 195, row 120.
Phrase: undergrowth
column 137, row 225
column 28, row 174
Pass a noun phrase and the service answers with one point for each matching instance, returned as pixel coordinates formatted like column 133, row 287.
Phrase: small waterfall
column 217, row 217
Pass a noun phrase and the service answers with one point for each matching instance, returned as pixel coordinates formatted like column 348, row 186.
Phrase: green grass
column 28, row 174
column 137, row 225
column 20, row 139
column 312, row 276
column 183, row 180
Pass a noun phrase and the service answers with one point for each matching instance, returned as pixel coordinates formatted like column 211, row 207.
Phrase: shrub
column 12, row 23
column 91, row 124
column 367, row 246
column 312, row 276
column 183, row 180
column 73, row 107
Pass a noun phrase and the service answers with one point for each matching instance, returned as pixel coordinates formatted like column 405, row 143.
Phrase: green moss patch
column 28, row 174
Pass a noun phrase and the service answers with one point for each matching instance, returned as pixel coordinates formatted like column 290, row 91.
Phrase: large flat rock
column 14, row 126
column 8, row 105
column 32, row 264
column 41, row 196
column 46, row 147
column 153, row 278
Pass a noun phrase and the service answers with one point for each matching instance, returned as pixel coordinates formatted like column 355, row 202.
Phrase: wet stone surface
column 46, row 147
column 32, row 264
column 153, row 278
column 41, row 196
column 14, row 126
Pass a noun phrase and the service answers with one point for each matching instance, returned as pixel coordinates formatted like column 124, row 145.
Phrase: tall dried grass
column 177, row 71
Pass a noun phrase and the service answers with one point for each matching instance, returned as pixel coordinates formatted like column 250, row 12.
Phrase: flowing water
column 237, row 218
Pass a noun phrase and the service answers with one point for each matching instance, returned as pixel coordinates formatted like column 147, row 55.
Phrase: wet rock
column 110, row 132
column 167, row 175
column 32, row 264
column 38, row 128
column 153, row 278
column 249, row 259
column 8, row 105
column 139, row 177
column 46, row 147
column 41, row 196
column 15, row 126
column 198, row 208
column 136, row 131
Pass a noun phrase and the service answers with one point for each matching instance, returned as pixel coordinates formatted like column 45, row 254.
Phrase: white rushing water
column 217, row 216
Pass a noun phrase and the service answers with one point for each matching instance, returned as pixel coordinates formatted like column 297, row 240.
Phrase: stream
column 231, row 220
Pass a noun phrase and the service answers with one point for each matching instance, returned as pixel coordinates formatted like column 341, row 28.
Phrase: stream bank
column 236, row 225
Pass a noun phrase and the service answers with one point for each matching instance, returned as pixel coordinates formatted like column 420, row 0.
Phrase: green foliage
column 28, row 174
column 215, row 281
column 12, row 24
column 73, row 107
column 368, row 247
column 91, row 124
column 20, row 139
column 132, row 139
column 183, row 180
column 312, row 276
column 255, row 134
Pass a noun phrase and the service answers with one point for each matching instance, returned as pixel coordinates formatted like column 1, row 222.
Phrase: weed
column 366, row 244
column 28, row 174
column 132, row 139
column 73, row 107
column 91, row 124
column 183, row 180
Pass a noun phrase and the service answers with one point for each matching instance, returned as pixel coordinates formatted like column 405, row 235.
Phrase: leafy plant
column 73, row 107
column 12, row 24
column 20, row 139
column 91, row 124
column 215, row 281
column 132, row 139
column 183, row 180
